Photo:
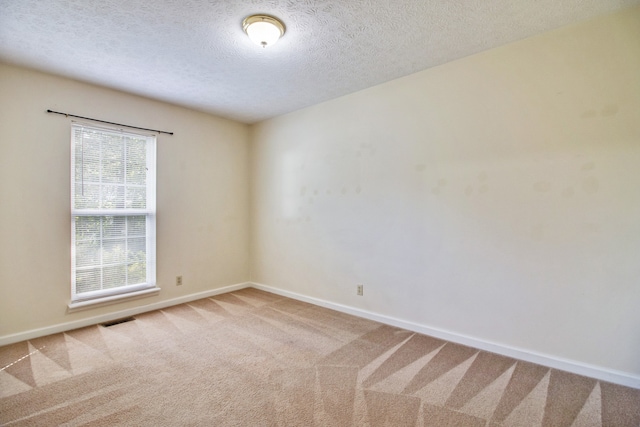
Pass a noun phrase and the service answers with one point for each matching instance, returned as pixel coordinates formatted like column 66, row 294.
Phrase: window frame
column 82, row 299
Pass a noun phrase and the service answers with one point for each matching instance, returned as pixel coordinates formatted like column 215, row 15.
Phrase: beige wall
column 202, row 196
column 496, row 197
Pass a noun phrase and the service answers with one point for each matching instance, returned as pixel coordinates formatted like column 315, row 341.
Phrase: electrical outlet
column 178, row 280
column 360, row 290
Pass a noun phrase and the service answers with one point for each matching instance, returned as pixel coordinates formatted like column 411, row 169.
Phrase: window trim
column 74, row 306
column 83, row 300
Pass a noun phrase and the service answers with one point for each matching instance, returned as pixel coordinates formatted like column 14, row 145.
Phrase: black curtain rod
column 110, row 123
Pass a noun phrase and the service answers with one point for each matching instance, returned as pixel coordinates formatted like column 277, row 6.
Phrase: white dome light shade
column 263, row 30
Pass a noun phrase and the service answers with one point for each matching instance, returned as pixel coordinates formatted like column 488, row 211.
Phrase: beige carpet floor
column 250, row 358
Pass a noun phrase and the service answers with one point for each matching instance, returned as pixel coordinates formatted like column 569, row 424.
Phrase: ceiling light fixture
column 263, row 30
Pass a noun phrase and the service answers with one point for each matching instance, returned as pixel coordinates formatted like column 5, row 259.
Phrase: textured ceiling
column 194, row 53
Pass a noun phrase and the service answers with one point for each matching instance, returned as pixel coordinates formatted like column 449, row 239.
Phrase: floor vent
column 117, row 322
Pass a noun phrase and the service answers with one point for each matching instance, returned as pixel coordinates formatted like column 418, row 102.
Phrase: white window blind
column 112, row 212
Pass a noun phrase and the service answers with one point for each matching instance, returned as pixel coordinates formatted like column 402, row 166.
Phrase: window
column 112, row 213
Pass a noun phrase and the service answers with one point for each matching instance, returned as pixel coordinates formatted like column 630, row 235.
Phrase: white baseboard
column 68, row 326
column 617, row 377
column 599, row 373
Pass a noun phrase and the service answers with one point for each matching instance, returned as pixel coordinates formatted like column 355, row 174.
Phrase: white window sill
column 114, row 299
